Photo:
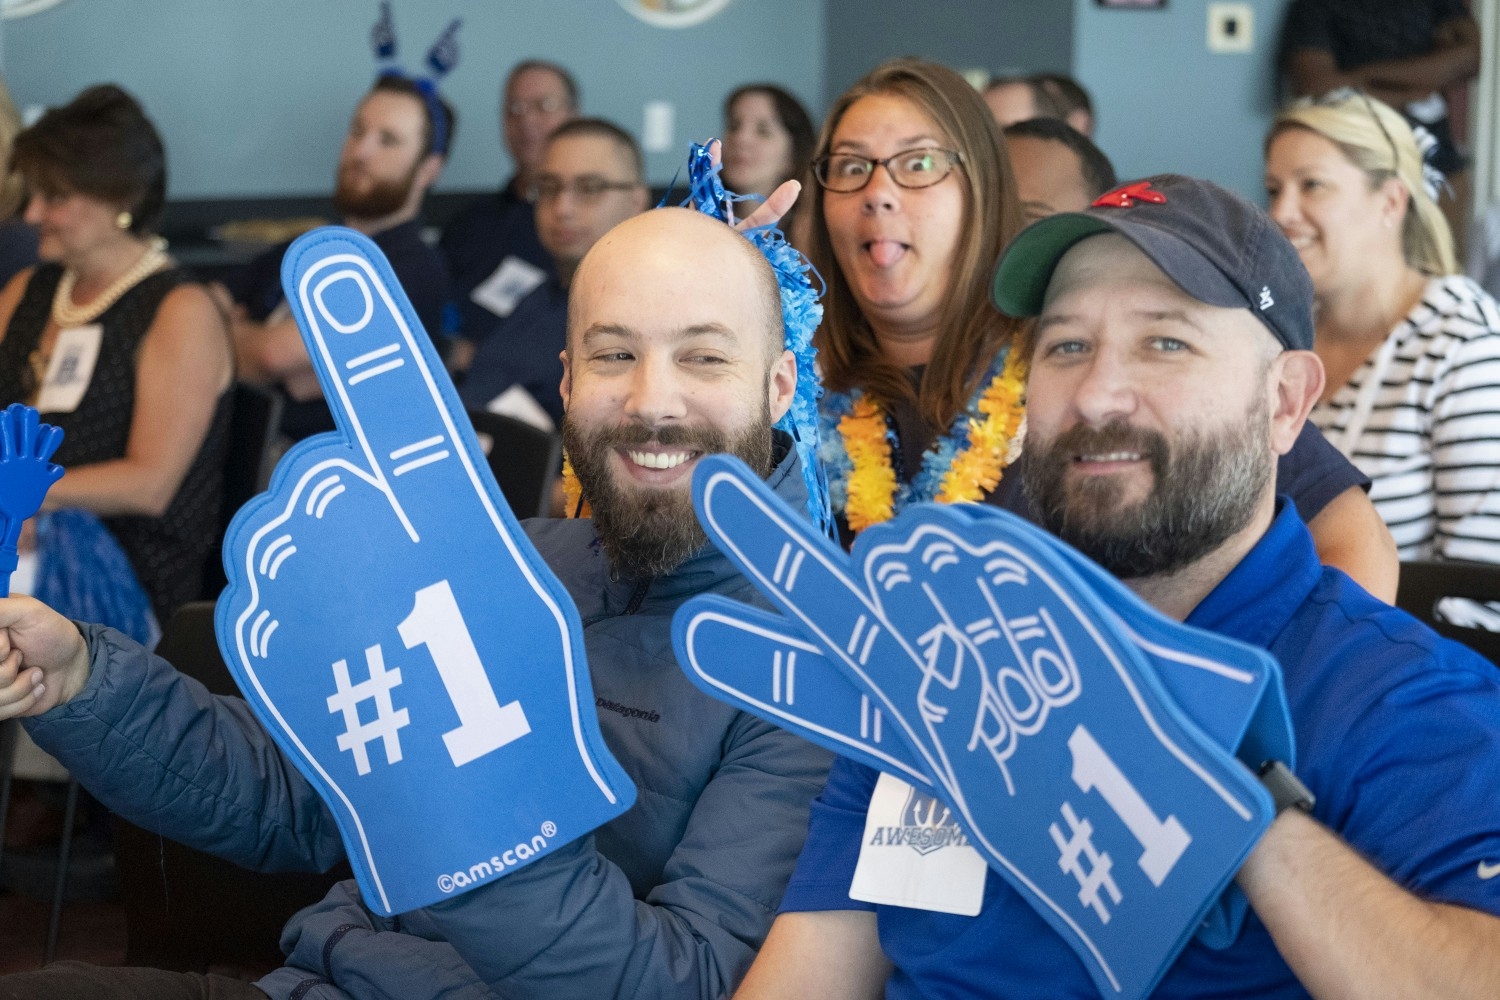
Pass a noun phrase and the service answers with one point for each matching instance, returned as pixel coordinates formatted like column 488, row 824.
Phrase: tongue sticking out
column 886, row 252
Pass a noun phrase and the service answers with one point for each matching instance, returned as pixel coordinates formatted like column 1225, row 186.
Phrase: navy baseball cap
column 1215, row 245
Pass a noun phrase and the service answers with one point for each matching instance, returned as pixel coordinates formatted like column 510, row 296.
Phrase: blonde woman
column 1411, row 347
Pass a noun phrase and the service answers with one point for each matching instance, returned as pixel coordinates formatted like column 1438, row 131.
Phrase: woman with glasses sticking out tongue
column 1410, row 346
column 914, row 201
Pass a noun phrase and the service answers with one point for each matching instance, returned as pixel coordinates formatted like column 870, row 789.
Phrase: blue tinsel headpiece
column 441, row 58
column 800, row 315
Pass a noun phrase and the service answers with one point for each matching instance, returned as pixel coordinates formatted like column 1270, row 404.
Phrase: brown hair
column 970, row 329
column 792, row 115
column 99, row 144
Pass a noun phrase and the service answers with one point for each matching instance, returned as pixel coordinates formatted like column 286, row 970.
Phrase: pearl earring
column 123, row 220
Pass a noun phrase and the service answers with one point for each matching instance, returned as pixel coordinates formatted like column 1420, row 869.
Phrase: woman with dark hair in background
column 113, row 343
column 913, row 203
column 768, row 139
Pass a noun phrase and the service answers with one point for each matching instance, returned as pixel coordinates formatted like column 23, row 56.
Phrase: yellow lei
column 975, row 470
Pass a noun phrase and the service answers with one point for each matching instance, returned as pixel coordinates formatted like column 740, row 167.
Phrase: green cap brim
column 1026, row 267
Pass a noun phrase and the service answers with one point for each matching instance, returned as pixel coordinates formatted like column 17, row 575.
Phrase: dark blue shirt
column 475, row 243
column 418, row 267
column 1398, row 735
column 523, row 350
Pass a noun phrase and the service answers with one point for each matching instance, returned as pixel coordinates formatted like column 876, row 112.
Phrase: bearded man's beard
column 1205, row 489
column 374, row 200
column 649, row 532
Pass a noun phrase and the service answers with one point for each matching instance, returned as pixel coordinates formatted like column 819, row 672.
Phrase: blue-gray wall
column 995, row 35
column 1167, row 104
column 253, row 96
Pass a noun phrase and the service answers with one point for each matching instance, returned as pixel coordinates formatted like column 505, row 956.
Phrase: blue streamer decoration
column 801, row 312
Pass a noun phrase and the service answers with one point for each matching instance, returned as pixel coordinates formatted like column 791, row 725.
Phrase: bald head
column 677, row 252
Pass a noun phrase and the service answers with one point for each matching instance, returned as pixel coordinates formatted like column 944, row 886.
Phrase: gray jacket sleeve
column 569, row 925
column 157, row 748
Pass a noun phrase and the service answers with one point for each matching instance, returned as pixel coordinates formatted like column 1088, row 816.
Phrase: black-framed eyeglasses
column 586, row 188
column 844, row 173
column 539, row 106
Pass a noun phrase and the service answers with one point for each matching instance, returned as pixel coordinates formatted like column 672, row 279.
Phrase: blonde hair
column 971, row 331
column 12, row 187
column 1377, row 140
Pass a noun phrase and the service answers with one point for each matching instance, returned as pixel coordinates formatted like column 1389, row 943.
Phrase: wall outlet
column 657, row 126
column 1231, row 27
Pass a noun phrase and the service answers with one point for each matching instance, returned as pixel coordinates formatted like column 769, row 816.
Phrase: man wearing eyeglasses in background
column 491, row 246
column 590, row 178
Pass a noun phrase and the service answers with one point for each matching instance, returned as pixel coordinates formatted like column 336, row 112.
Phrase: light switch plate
column 657, row 126
column 1231, row 27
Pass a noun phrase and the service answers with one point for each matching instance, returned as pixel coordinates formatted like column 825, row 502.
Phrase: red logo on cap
column 1129, row 195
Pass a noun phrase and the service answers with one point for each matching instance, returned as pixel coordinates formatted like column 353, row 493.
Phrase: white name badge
column 914, row 854
column 71, row 368
column 521, row 405
column 512, row 281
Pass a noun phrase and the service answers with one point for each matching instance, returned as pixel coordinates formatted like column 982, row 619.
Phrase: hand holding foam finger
column 393, row 627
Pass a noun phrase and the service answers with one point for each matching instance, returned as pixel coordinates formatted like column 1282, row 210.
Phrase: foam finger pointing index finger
column 375, row 362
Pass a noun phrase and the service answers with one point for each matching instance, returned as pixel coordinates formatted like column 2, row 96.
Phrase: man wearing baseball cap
column 1170, row 366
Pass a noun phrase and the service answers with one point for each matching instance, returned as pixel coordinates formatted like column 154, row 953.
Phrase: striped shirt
column 1431, row 443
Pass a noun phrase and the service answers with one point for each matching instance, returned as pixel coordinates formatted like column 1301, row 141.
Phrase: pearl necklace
column 65, row 314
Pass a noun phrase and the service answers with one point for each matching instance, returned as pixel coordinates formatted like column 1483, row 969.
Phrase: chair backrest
column 524, row 459
column 186, row 910
column 248, row 463
column 252, row 431
column 1425, row 585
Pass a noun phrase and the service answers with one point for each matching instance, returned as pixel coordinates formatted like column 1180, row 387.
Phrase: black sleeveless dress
column 168, row 552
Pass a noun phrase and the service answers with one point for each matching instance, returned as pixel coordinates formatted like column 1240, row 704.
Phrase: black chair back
column 248, row 464
column 524, row 459
column 1424, row 584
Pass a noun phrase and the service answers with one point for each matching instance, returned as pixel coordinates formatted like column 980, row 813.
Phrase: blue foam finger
column 760, row 662
column 1070, row 765
column 392, row 626
column 1233, row 691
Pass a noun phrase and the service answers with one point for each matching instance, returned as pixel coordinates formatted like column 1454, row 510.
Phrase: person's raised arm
column 1347, row 930
column 182, row 370
column 1453, row 59
column 273, row 352
column 825, row 955
column 1349, row 535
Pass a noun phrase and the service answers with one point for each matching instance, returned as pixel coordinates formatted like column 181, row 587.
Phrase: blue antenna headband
column 441, row 59
column 800, row 315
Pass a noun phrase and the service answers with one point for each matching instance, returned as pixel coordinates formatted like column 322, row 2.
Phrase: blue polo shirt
column 1398, row 736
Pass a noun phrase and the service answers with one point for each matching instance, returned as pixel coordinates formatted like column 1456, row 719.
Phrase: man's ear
column 1295, row 382
column 782, row 384
column 429, row 170
column 1395, row 201
column 566, row 387
column 642, row 198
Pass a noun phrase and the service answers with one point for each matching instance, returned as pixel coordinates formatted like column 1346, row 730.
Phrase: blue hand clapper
column 393, row 627
column 995, row 668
